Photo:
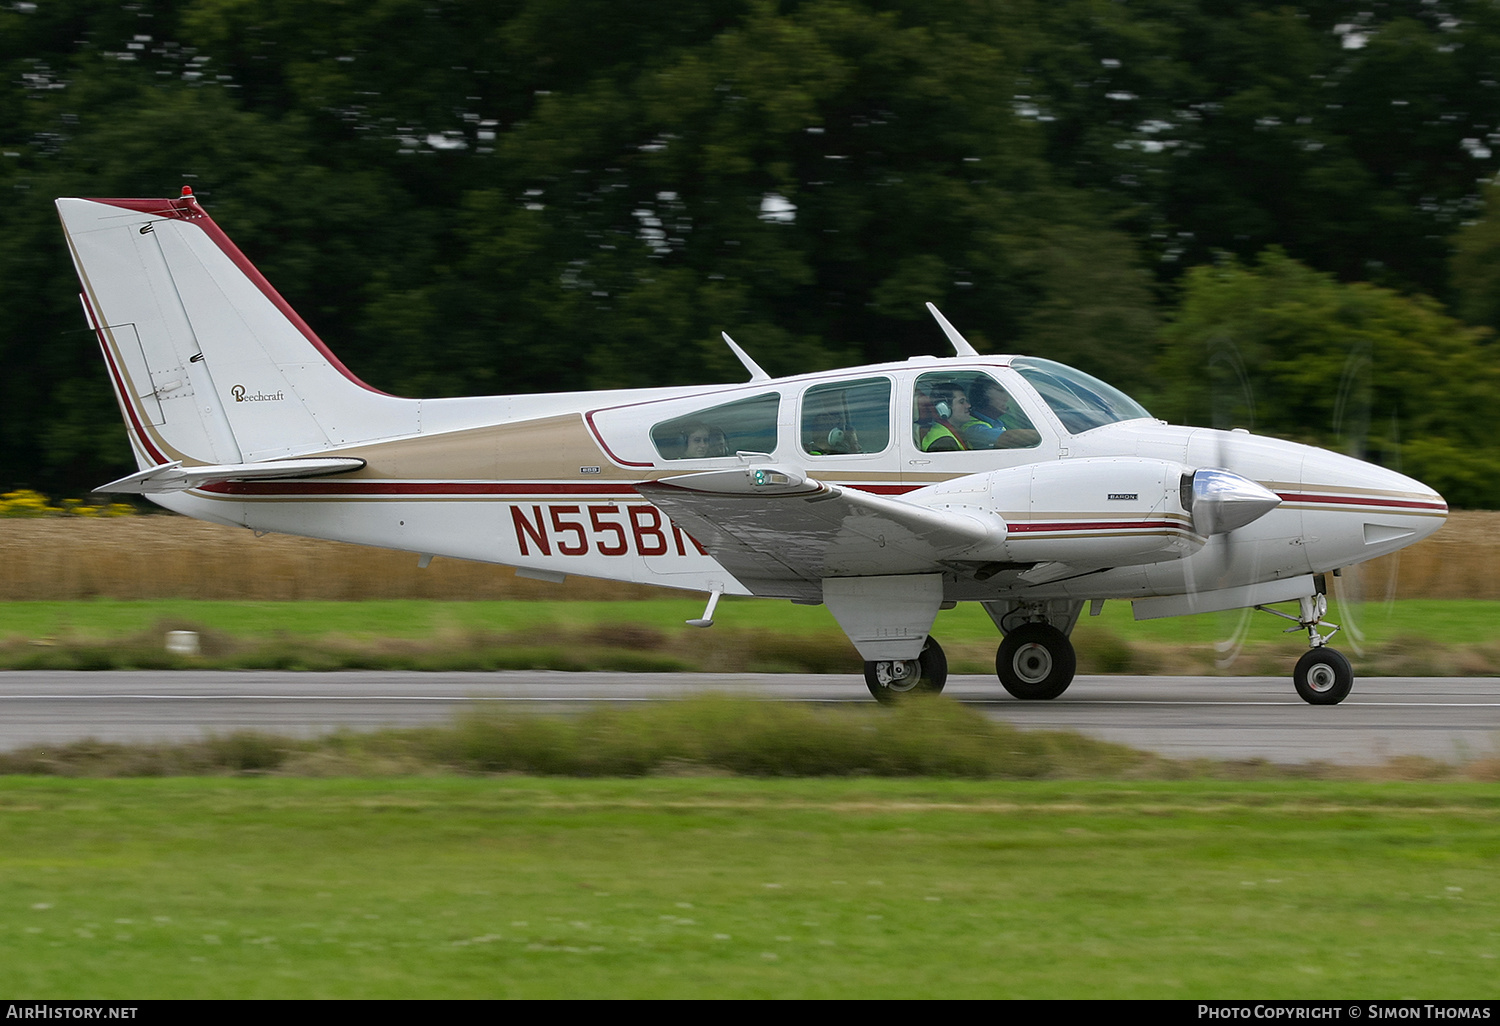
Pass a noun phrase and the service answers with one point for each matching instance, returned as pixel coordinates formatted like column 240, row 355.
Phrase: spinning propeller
column 1362, row 590
column 1355, row 589
column 1232, row 409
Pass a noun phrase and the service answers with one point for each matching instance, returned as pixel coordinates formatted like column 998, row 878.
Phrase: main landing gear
column 1036, row 661
column 890, row 680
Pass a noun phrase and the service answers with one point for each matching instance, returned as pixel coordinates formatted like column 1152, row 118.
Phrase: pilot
column 952, row 413
column 702, row 441
column 988, row 403
column 987, row 430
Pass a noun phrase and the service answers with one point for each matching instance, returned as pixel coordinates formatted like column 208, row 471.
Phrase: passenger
column 951, row 409
column 703, row 441
column 825, row 434
column 922, row 416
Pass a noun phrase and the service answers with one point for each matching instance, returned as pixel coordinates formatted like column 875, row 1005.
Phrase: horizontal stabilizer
column 174, row 477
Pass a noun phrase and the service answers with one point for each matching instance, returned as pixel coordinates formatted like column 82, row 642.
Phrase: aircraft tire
column 1036, row 661
column 1323, row 677
column 931, row 675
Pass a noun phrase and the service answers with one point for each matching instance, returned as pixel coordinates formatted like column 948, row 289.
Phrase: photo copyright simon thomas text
column 1294, row 1010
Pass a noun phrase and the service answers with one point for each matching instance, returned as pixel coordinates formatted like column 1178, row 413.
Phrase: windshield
column 1081, row 401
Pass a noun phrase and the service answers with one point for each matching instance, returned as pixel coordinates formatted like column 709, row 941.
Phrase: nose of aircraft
column 1354, row 511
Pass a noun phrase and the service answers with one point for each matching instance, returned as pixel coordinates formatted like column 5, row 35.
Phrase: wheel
column 890, row 680
column 1323, row 677
column 1036, row 660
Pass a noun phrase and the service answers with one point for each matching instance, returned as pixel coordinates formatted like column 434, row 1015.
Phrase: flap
column 767, row 523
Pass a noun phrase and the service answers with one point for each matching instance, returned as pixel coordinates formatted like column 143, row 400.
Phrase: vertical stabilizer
column 210, row 364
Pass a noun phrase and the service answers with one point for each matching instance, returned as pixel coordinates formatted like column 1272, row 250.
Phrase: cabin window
column 1081, row 401
column 847, row 417
column 958, row 411
column 748, row 425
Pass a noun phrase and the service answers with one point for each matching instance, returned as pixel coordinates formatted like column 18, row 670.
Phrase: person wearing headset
column 953, row 414
column 987, row 430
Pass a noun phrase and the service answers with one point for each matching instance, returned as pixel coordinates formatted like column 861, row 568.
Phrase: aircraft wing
column 773, row 524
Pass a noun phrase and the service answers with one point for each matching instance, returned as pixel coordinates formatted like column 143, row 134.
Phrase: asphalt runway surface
column 1449, row 718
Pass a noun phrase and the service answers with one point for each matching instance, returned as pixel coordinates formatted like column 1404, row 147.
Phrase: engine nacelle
column 1105, row 512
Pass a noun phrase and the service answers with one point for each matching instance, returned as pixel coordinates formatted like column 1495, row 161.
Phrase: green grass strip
column 1419, row 637
column 717, row 887
column 1460, row 621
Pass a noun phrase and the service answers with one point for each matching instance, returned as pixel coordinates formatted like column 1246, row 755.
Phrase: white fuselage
column 546, row 483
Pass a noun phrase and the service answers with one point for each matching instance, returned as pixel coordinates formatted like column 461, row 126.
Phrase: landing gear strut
column 1036, row 661
column 1323, row 675
column 891, row 680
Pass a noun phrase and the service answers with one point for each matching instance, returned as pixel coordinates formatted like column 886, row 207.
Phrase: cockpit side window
column 957, row 411
column 1081, row 401
column 847, row 417
column 748, row 425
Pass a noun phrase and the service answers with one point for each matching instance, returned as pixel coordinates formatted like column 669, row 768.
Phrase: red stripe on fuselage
column 1349, row 500
column 337, row 489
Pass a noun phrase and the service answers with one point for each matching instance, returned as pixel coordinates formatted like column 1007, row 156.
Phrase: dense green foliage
column 552, row 194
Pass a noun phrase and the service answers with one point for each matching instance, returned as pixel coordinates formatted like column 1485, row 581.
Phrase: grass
column 721, row 847
column 1417, row 637
column 717, row 887
column 1464, row 622
column 705, row 734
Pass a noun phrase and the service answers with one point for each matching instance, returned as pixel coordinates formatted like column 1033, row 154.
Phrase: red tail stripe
column 187, row 209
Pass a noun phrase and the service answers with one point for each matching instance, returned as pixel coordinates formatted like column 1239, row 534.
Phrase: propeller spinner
column 1221, row 501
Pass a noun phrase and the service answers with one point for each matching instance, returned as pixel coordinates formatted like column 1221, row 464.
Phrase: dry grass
column 174, row 557
column 1461, row 561
column 167, row 556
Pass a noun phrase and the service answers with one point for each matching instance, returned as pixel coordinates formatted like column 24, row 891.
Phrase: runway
column 1447, row 718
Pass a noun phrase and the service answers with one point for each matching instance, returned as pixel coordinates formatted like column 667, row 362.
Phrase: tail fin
column 209, row 363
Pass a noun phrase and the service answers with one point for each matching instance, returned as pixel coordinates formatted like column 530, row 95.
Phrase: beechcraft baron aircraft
column 885, row 492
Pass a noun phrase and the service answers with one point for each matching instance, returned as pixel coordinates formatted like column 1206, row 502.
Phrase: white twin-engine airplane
column 885, row 492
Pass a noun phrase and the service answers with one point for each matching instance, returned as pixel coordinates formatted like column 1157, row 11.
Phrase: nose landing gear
column 1323, row 675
